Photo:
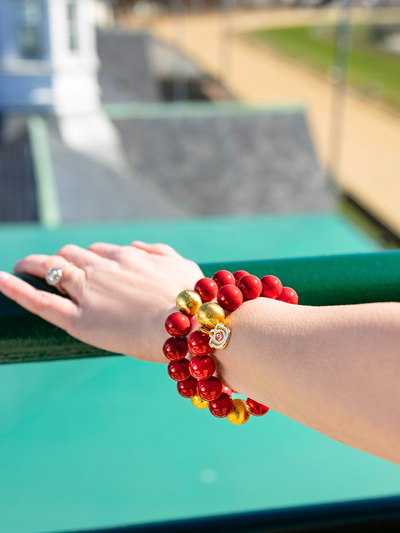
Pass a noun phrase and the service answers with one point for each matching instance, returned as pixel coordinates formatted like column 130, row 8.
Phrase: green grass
column 372, row 70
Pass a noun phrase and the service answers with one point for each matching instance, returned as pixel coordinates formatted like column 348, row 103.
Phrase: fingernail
column 17, row 264
column 138, row 242
column 3, row 276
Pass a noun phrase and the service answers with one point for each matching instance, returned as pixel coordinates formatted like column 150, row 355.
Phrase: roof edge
column 46, row 189
column 126, row 111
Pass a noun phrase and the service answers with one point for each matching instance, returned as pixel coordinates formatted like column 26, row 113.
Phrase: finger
column 79, row 256
column 157, row 249
column 37, row 265
column 55, row 309
column 104, row 249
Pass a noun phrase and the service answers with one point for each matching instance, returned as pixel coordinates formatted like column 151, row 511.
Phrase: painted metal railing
column 367, row 516
column 330, row 280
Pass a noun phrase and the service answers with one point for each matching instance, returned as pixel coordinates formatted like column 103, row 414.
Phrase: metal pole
column 179, row 75
column 225, row 48
column 338, row 73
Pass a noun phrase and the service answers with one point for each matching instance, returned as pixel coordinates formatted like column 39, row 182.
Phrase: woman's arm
column 335, row 369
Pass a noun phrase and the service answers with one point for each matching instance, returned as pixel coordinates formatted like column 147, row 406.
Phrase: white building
column 48, row 58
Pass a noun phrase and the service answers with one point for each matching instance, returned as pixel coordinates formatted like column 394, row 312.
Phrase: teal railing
column 331, row 280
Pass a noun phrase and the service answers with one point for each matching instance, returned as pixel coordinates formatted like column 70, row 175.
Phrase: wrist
column 157, row 335
column 195, row 377
column 154, row 323
column 265, row 333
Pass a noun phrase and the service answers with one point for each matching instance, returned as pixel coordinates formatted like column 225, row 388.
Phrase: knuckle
column 14, row 289
column 54, row 261
column 100, row 265
column 161, row 247
column 69, row 274
column 95, row 245
column 73, row 322
column 67, row 249
column 49, row 263
column 42, row 302
column 123, row 252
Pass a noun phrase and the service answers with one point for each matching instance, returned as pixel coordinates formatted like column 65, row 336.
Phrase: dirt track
column 370, row 161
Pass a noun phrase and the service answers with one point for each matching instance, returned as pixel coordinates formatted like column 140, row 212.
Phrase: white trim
column 64, row 81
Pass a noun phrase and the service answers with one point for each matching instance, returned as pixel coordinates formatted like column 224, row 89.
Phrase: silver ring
column 54, row 275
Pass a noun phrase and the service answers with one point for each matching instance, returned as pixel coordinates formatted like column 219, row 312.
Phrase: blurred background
column 128, row 109
column 232, row 130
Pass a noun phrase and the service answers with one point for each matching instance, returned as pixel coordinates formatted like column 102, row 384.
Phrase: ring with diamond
column 54, row 275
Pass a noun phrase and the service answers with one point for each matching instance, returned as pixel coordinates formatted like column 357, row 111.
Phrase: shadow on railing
column 330, row 280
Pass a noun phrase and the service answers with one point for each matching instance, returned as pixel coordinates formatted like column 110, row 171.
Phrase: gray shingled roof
column 198, row 161
column 18, row 202
column 125, row 74
column 87, row 190
column 90, row 191
column 230, row 163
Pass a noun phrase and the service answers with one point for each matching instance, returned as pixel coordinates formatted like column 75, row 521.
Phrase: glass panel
column 29, row 29
column 72, row 14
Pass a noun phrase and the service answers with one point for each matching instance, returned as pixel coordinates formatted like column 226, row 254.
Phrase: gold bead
column 188, row 302
column 210, row 314
column 240, row 413
column 198, row 402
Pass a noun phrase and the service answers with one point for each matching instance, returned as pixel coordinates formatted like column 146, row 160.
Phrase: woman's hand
column 120, row 296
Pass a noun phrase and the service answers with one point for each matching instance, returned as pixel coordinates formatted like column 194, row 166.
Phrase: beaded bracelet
column 196, row 378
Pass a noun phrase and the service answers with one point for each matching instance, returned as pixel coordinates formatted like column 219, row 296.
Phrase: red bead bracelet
column 195, row 378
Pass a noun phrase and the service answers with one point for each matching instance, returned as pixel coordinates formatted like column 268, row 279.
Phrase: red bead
column 179, row 370
column 175, row 348
column 207, row 288
column 187, row 388
column 222, row 406
column 199, row 343
column 257, row 409
column 271, row 287
column 230, row 297
column 224, row 277
column 202, row 367
column 288, row 296
column 209, row 389
column 227, row 390
column 239, row 274
column 177, row 325
column 250, row 286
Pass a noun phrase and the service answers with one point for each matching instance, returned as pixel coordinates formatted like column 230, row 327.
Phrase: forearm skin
column 334, row 369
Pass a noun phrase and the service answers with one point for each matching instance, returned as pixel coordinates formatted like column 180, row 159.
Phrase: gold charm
column 198, row 402
column 210, row 314
column 188, row 302
column 220, row 337
column 240, row 413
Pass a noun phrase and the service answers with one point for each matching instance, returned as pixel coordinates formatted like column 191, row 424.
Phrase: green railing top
column 331, row 280
column 24, row 337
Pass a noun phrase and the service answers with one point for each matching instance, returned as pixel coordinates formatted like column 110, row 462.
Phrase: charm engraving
column 220, row 337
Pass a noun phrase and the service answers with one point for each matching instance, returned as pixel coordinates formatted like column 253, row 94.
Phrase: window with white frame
column 72, row 16
column 29, row 31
